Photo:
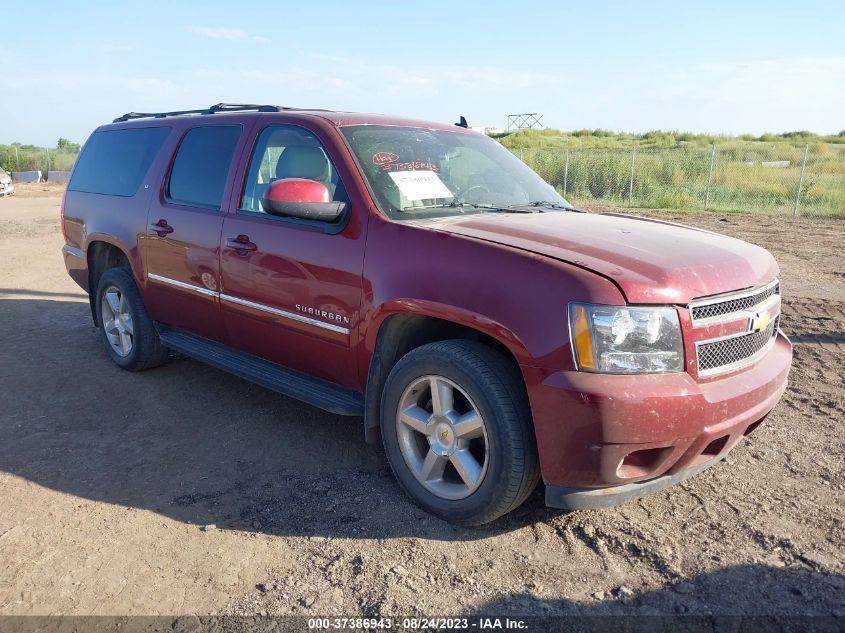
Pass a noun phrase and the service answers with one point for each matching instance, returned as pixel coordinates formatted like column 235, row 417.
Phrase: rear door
column 292, row 296
column 182, row 241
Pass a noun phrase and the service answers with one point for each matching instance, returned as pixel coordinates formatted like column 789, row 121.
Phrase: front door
column 182, row 242
column 291, row 289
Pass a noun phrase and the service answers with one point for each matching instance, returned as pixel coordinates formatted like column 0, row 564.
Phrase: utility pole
column 565, row 173
column 709, row 176
column 800, row 182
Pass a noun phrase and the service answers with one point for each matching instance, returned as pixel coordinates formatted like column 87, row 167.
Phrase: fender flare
column 103, row 238
column 385, row 335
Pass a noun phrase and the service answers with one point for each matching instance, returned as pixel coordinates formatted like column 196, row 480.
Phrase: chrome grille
column 711, row 308
column 726, row 353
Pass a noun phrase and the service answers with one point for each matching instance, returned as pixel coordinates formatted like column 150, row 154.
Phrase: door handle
column 241, row 244
column 161, row 227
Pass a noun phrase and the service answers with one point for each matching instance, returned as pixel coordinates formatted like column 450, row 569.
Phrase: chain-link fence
column 25, row 158
column 750, row 178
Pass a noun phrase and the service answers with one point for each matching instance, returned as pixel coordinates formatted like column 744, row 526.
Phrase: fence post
column 631, row 184
column 709, row 176
column 565, row 173
column 800, row 182
column 520, row 155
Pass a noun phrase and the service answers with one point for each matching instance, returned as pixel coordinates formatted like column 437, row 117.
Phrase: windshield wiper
column 493, row 207
column 545, row 203
column 460, row 204
column 442, row 205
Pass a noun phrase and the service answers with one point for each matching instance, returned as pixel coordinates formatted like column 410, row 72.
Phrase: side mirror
column 301, row 198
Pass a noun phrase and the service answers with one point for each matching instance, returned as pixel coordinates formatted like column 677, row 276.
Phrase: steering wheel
column 462, row 195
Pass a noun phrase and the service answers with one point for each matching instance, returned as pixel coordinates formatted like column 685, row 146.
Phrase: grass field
column 672, row 170
column 20, row 157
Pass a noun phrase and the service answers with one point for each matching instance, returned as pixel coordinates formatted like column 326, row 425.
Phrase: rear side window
column 114, row 162
column 199, row 172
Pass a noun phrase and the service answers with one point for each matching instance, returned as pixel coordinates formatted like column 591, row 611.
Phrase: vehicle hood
column 5, row 178
column 650, row 260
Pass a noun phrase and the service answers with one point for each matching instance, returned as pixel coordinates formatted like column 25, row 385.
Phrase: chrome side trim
column 284, row 313
column 250, row 304
column 183, row 285
column 73, row 251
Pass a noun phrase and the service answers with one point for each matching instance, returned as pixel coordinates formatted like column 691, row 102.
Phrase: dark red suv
column 421, row 277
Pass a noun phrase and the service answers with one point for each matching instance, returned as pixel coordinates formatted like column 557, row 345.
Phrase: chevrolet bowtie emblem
column 760, row 321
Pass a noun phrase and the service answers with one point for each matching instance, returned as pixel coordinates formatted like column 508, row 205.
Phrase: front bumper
column 596, row 498
column 7, row 189
column 606, row 439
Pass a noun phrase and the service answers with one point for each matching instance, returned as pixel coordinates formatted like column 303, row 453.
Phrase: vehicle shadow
column 43, row 293
column 831, row 337
column 190, row 442
column 740, row 598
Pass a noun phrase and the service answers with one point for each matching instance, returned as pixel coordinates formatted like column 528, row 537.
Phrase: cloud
column 495, row 78
column 293, row 75
column 224, row 33
column 415, row 80
column 150, row 86
column 753, row 95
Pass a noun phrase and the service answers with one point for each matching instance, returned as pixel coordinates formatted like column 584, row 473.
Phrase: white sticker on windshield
column 420, row 185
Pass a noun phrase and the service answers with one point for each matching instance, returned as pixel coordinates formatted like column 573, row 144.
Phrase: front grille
column 729, row 306
column 727, row 352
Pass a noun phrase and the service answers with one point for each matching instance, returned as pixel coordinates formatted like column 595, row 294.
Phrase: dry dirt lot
column 184, row 490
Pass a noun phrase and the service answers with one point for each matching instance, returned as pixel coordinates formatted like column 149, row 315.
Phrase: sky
column 714, row 67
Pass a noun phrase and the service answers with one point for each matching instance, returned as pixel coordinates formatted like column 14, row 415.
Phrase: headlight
column 616, row 340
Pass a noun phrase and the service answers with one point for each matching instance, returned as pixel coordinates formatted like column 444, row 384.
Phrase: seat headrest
column 303, row 161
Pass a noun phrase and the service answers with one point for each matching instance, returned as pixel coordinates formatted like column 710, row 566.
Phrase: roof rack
column 216, row 108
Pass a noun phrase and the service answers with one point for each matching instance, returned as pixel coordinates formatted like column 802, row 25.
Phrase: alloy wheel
column 442, row 437
column 117, row 320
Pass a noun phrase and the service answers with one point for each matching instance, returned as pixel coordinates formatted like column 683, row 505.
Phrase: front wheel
column 458, row 432
column 128, row 332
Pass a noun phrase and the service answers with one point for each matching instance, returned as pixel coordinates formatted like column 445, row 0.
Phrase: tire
column 483, row 384
column 144, row 349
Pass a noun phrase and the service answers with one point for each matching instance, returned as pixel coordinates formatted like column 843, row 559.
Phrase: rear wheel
column 128, row 333
column 458, row 433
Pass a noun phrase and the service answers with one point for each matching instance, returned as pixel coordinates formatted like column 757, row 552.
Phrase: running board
column 314, row 391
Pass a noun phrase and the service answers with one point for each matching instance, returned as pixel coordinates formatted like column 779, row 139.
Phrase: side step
column 316, row 392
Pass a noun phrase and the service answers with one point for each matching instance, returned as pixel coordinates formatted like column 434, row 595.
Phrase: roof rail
column 216, row 108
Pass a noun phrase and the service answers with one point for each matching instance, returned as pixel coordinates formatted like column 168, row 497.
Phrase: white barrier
column 58, row 176
column 26, row 176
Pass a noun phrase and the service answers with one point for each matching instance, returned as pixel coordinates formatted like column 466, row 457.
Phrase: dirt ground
column 38, row 189
column 184, row 490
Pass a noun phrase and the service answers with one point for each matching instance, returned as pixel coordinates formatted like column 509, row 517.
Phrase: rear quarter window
column 114, row 162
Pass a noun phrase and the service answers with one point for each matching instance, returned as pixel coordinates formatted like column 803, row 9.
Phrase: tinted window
column 115, row 162
column 199, row 172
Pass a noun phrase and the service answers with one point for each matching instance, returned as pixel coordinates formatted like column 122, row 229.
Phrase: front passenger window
column 286, row 151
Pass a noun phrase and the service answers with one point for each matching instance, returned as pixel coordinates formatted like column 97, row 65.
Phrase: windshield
column 417, row 173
